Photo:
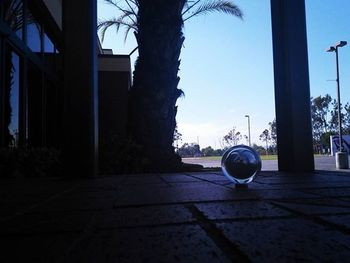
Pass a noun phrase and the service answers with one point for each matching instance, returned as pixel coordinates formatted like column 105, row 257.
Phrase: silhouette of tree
column 128, row 13
column 177, row 138
column 157, row 26
column 333, row 123
column 232, row 138
column 319, row 115
column 189, row 150
column 273, row 132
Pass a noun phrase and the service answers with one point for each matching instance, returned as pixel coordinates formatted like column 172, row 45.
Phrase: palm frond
column 189, row 5
column 130, row 12
column 132, row 9
column 112, row 2
column 127, row 18
column 135, row 2
column 103, row 25
column 223, row 6
column 126, row 34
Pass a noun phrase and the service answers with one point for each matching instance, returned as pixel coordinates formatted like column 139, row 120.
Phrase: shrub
column 30, row 162
column 121, row 155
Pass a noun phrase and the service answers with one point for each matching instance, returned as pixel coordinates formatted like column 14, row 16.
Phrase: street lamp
column 342, row 161
column 247, row 116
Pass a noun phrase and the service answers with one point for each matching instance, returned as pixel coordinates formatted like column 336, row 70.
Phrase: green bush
column 30, row 162
column 8, row 162
column 121, row 155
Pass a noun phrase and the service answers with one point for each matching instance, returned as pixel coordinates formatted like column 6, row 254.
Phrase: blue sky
column 227, row 72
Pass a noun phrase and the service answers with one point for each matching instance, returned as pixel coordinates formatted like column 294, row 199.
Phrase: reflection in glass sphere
column 240, row 164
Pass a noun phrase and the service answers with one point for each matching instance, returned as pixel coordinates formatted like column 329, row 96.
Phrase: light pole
column 247, row 116
column 342, row 161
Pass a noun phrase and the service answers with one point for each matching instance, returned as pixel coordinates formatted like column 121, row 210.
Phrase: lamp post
column 341, row 160
column 247, row 116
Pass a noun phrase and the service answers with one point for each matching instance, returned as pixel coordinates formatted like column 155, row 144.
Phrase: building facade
column 40, row 94
column 31, row 75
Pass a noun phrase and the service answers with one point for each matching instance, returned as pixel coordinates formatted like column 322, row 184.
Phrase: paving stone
column 300, row 185
column 14, row 206
column 142, row 180
column 179, row 178
column 287, row 240
column 210, row 176
column 179, row 193
column 103, row 184
column 316, row 206
column 341, row 220
column 241, row 209
column 78, row 201
column 45, row 223
column 333, row 192
column 188, row 243
column 345, row 199
column 142, row 216
column 286, row 180
column 271, row 194
column 37, row 187
column 36, row 248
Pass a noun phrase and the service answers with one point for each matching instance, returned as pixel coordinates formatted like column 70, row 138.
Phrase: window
column 34, row 106
column 11, row 98
column 48, row 45
column 33, row 33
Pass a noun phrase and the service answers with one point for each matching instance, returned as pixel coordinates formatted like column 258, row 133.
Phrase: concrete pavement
column 184, row 217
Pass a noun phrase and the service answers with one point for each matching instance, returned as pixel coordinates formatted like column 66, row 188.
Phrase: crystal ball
column 241, row 164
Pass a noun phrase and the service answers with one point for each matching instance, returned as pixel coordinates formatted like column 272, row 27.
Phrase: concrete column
column 292, row 91
column 80, row 131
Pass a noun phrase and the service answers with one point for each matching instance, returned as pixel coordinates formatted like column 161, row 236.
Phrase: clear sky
column 227, row 72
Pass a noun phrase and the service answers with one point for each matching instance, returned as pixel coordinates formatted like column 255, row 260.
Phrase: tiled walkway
column 194, row 217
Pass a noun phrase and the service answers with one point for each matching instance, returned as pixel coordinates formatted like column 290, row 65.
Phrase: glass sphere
column 241, row 164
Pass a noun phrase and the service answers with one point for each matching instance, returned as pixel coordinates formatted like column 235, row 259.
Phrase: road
column 326, row 163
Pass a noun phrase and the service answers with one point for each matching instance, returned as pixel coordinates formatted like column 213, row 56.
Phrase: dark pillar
column 80, row 129
column 292, row 91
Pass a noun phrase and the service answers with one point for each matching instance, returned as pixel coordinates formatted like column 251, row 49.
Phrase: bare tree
column 232, row 138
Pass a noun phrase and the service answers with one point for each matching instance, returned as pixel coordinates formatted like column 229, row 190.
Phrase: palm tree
column 157, row 25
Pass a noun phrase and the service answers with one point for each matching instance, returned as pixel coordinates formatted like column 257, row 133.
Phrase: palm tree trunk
column 152, row 99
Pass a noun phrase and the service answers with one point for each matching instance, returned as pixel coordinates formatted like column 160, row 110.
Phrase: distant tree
column 208, row 151
column 189, row 150
column 319, row 115
column 325, row 140
column 177, row 138
column 273, row 132
column 273, row 136
column 334, row 117
column 218, row 152
column 265, row 137
column 232, row 138
column 246, row 138
column 346, row 120
column 261, row 150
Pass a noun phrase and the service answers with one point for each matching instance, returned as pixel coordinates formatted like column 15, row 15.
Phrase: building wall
column 114, row 79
